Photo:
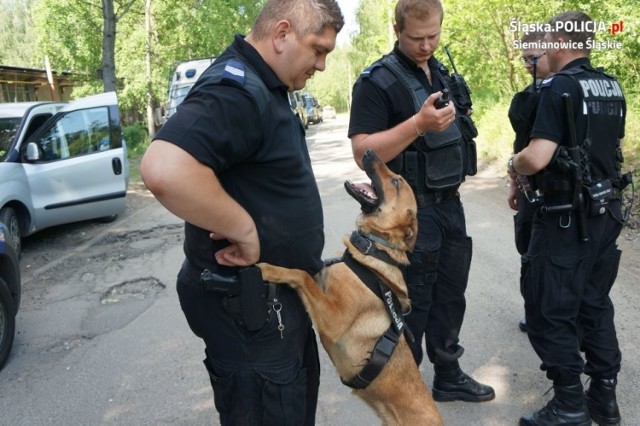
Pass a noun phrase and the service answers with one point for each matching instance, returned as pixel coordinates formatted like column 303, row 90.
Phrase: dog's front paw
column 269, row 272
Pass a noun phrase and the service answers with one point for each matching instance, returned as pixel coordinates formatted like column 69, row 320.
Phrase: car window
column 77, row 133
column 8, row 129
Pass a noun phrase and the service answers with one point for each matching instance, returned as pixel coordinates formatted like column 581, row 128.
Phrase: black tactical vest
column 447, row 156
column 602, row 101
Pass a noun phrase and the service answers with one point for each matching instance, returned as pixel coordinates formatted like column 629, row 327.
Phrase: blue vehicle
column 9, row 293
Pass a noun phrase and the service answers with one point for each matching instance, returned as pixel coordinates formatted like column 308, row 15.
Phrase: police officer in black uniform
column 396, row 112
column 233, row 163
column 572, row 260
column 522, row 113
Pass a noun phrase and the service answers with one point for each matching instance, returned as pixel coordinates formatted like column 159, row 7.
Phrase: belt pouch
column 443, row 157
column 598, row 196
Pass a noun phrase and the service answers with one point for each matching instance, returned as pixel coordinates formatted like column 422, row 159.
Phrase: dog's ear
column 408, row 234
column 410, row 230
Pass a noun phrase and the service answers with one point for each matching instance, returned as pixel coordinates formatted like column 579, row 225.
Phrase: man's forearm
column 191, row 191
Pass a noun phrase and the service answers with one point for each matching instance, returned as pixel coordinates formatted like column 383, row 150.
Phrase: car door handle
column 116, row 164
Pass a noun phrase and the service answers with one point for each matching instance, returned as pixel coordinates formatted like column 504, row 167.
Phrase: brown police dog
column 350, row 318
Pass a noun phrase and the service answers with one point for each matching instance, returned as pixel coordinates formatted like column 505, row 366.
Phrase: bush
column 136, row 137
column 495, row 135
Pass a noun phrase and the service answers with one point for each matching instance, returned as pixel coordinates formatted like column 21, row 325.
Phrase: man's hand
column 241, row 252
column 512, row 193
column 435, row 120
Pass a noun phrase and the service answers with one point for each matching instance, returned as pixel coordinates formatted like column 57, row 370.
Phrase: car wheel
column 9, row 217
column 7, row 322
column 107, row 219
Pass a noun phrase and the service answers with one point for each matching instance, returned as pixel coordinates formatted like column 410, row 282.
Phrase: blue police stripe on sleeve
column 234, row 71
column 547, row 82
column 367, row 72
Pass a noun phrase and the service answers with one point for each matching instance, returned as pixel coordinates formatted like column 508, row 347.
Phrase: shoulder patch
column 367, row 72
column 442, row 69
column 547, row 82
column 234, row 71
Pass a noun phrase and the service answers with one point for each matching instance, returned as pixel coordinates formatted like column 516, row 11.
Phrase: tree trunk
column 151, row 126
column 109, row 46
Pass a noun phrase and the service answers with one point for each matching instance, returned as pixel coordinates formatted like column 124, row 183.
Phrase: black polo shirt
column 262, row 162
column 374, row 109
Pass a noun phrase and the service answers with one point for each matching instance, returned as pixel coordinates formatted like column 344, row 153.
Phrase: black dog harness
column 386, row 344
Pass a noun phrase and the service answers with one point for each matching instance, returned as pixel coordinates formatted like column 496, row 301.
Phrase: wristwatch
column 510, row 168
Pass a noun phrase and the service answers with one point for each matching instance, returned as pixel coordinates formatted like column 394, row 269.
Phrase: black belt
column 436, row 197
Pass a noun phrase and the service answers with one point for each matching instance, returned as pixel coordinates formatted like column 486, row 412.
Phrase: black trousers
column 566, row 289
column 437, row 280
column 258, row 378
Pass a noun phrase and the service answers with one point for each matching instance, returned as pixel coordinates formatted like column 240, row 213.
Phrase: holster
column 245, row 295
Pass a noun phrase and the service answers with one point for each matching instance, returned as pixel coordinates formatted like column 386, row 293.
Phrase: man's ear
column 396, row 29
column 280, row 32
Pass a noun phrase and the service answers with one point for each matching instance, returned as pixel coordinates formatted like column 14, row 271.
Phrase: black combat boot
column 522, row 325
column 601, row 401
column 454, row 384
column 567, row 407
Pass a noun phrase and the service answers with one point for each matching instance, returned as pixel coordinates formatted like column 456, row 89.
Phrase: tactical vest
column 603, row 104
column 446, row 157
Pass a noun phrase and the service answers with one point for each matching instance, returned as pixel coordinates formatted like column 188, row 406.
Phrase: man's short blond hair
column 417, row 9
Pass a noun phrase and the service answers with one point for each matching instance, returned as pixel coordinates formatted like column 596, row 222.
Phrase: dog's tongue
column 366, row 190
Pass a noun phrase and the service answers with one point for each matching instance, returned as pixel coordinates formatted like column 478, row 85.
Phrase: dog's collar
column 364, row 244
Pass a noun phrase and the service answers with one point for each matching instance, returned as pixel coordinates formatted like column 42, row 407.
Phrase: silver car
column 61, row 163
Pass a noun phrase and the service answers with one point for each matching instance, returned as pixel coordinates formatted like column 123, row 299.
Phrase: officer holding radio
column 415, row 116
column 233, row 163
column 574, row 160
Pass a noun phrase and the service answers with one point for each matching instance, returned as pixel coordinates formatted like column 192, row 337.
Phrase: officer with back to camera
column 397, row 113
column 574, row 158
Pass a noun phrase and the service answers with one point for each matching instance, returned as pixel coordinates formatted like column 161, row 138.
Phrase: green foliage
column 376, row 37
column 70, row 33
column 333, row 86
column 136, row 137
column 17, row 34
column 495, row 136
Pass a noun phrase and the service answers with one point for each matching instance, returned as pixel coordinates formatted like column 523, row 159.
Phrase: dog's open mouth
column 369, row 195
column 364, row 193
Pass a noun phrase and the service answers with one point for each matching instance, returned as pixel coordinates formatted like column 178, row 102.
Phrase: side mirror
column 33, row 153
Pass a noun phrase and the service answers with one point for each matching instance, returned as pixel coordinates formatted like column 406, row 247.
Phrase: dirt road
column 101, row 338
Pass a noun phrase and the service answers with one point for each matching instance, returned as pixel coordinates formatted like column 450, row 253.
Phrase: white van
column 183, row 78
column 61, row 163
